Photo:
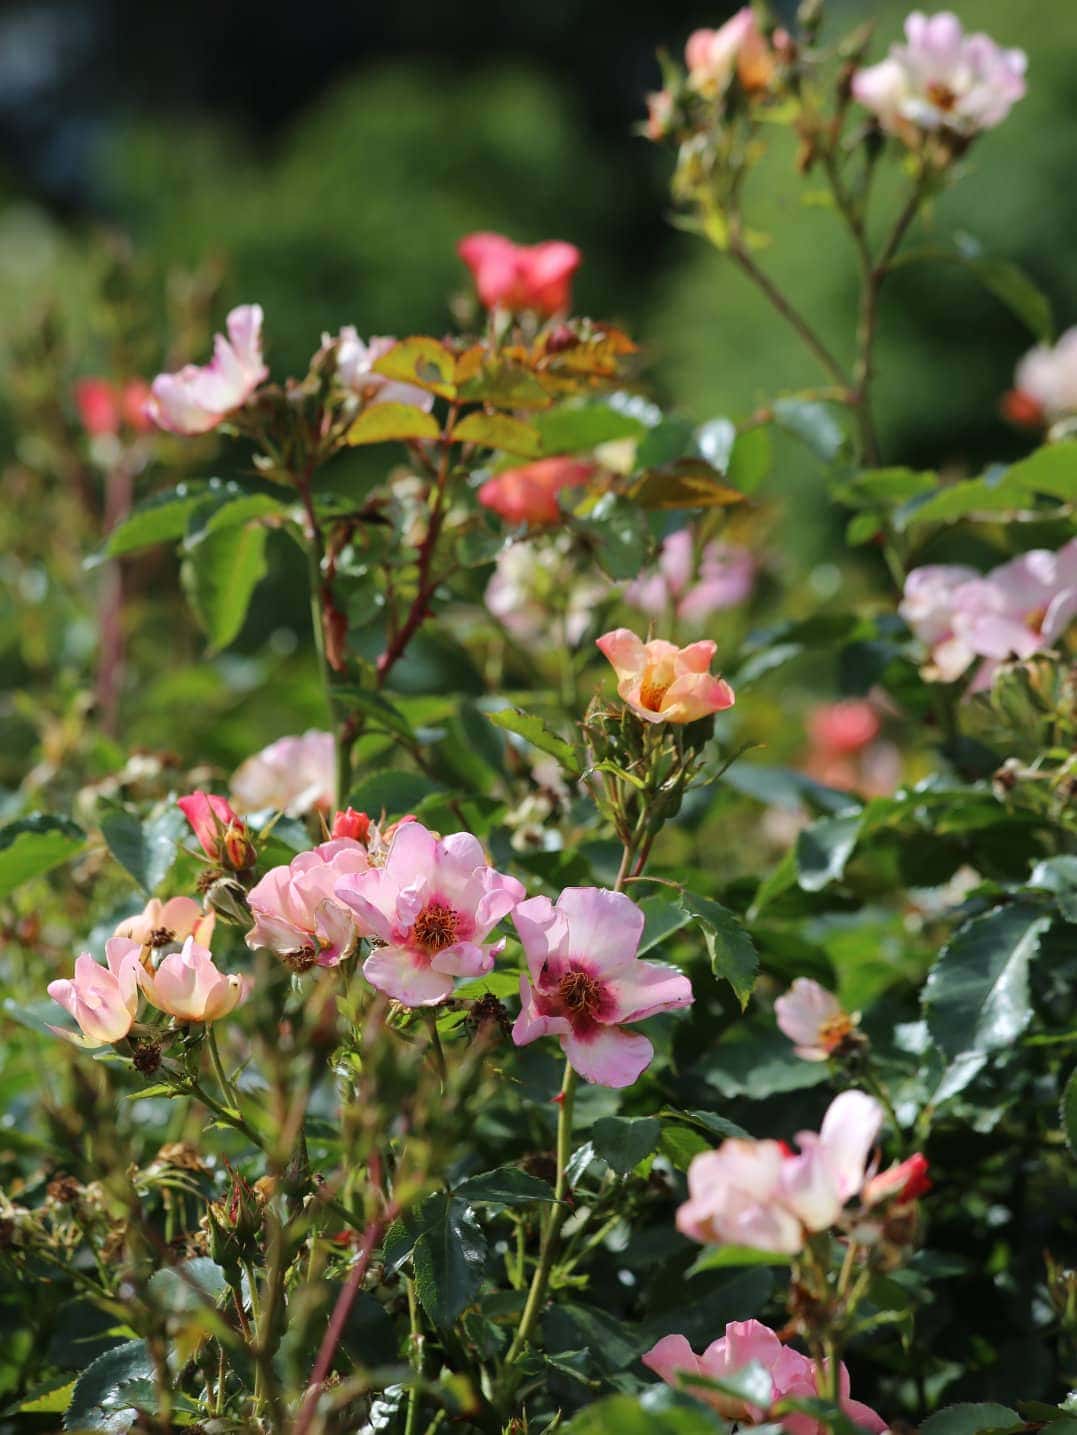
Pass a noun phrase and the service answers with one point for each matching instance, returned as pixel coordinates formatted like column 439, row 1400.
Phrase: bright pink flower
column 744, row 1343
column 761, row 1194
column 355, row 370
column 528, row 494
column 712, row 56
column 198, row 398
column 188, row 986
column 223, row 834
column 942, row 79
column 724, row 579
column 521, row 276
column 161, row 923
column 587, row 984
column 103, row 1000
column 294, row 775
column 663, row 683
column 429, row 909
column 812, row 1018
column 296, row 914
column 1045, row 383
column 99, row 410
column 350, row 823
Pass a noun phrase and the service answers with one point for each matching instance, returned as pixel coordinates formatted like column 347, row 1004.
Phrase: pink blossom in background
column 845, row 751
column 296, row 914
column 222, row 833
column 663, row 683
column 1045, row 383
column 355, row 370
column 942, row 79
column 160, row 923
column 844, row 727
column 1017, row 609
column 528, row 494
column 750, row 1342
column 587, row 984
column 105, row 407
column 294, row 775
column 188, row 986
column 429, row 910
column 102, row 999
column 199, row 397
column 737, row 47
column 813, row 1019
column 724, row 578
column 521, row 276
column 760, row 1194
column 539, row 595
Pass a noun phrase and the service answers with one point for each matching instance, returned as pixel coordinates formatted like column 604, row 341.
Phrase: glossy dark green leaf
column 227, row 504
column 449, row 1260
column 731, row 950
column 145, row 849
column 158, row 519
column 976, row 998
column 824, row 848
column 220, row 576
column 623, row 1141
column 507, row 1186
column 533, row 730
column 663, row 916
column 99, row 1401
column 394, row 793
column 970, row 1419
column 35, row 844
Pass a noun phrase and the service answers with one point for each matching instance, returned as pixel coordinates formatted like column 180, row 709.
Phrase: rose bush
column 503, row 1040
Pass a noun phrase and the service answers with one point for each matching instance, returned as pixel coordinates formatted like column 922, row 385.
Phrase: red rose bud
column 223, row 835
column 350, row 823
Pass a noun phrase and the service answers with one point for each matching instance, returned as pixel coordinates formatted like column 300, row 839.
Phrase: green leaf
column 663, row 916
column 731, row 950
column 1068, row 1112
column 970, row 1419
column 507, row 1186
column 449, row 1259
column 383, row 423
column 499, row 431
column 220, row 576
column 157, row 519
column 146, row 850
column 533, row 730
column 576, row 430
column 1058, row 875
column 717, row 1258
column 824, row 848
column 423, row 361
column 813, row 423
column 658, row 1412
column 976, row 997
column 187, row 1295
column 226, row 505
column 686, row 483
column 751, row 460
column 98, row 1401
column 1051, row 470
column 35, row 844
column 613, row 1346
column 394, row 793
column 52, row 1401
column 623, row 1141
column 1000, row 277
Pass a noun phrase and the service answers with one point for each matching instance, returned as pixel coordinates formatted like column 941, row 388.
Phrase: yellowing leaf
column 423, row 361
column 689, row 483
column 499, row 431
column 381, row 423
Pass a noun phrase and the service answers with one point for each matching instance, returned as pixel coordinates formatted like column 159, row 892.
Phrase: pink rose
column 429, row 910
column 587, row 984
column 223, row 834
column 161, row 923
column 521, row 276
column 296, row 914
column 942, row 79
column 198, row 398
column 663, row 683
column 813, row 1019
column 528, row 494
column 102, row 999
column 724, row 578
column 713, row 56
column 294, row 775
column 188, row 986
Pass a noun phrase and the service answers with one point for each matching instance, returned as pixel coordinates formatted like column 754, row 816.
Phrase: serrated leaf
column 35, row 844
column 976, row 998
column 382, row 423
column 533, row 730
column 687, row 483
column 220, row 577
column 499, row 431
column 731, row 950
column 449, row 1260
column 98, row 1401
column 506, row 1186
column 423, row 361
column 148, row 849
column 623, row 1141
column 970, row 1419
column 157, row 519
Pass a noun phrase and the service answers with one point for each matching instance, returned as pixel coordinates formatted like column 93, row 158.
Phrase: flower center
column 941, row 96
column 580, row 994
column 435, row 927
column 161, row 936
column 834, row 1030
column 651, row 694
column 1034, row 619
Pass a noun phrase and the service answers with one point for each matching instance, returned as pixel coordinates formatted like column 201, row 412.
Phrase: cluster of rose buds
column 1017, row 609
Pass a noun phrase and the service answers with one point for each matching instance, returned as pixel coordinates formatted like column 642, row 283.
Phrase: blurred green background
column 324, row 159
